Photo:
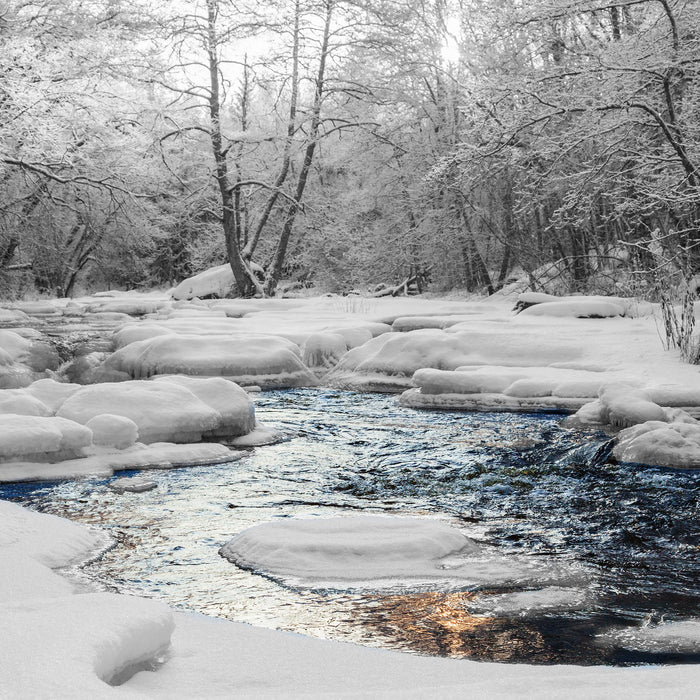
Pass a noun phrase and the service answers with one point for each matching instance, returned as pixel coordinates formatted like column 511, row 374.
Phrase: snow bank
column 266, row 361
column 540, row 304
column 369, row 552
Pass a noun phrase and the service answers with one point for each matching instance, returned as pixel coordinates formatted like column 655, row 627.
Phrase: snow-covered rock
column 215, row 282
column 236, row 411
column 659, row 443
column 163, row 411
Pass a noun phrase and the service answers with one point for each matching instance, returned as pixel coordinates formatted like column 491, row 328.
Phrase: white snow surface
column 63, row 644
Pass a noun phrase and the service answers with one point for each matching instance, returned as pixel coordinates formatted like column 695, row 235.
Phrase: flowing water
column 518, row 484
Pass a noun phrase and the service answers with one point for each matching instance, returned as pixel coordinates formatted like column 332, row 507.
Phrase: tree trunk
column 275, row 270
column 243, row 277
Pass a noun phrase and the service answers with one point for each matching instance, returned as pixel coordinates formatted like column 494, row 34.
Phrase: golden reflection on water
column 439, row 624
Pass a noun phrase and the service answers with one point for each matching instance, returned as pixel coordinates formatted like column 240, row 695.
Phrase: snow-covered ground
column 600, row 357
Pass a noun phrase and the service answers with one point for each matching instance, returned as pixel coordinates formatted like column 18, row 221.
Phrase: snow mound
column 267, row 361
column 16, row 401
column 109, row 430
column 215, row 282
column 369, row 552
column 41, row 439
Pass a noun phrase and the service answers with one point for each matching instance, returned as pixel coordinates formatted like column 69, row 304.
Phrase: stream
column 517, row 483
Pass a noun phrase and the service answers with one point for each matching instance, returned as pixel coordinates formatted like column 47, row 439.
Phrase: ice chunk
column 267, row 361
column 527, row 603
column 109, row 430
column 260, row 435
column 132, row 484
column 679, row 637
column 163, row 411
column 370, row 552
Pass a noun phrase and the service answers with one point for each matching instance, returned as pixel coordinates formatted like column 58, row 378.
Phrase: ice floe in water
column 527, row 603
column 370, row 552
column 681, row 636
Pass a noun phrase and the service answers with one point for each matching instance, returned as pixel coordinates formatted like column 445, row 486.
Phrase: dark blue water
column 517, row 483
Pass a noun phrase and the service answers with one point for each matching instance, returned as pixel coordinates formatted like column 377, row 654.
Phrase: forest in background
column 344, row 144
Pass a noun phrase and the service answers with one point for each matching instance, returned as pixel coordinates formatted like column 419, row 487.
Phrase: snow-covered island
column 168, row 388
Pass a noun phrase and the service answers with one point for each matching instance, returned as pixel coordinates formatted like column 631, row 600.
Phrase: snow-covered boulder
column 266, row 361
column 660, row 443
column 215, row 282
column 171, row 409
column 109, row 430
column 41, row 439
column 576, row 308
